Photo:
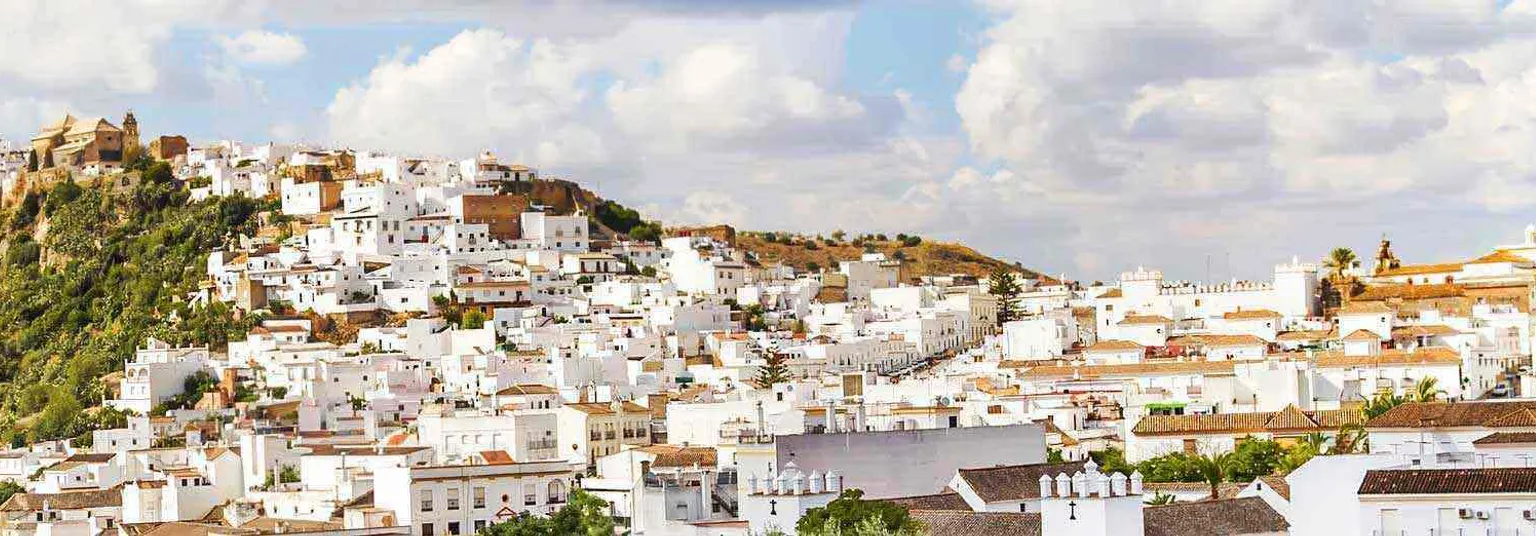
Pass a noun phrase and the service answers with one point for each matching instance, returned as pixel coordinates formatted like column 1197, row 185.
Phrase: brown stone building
column 168, row 147
column 502, row 213
column 73, row 142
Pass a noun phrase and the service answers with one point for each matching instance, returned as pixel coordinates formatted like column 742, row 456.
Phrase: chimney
column 834, row 482
column 818, row 482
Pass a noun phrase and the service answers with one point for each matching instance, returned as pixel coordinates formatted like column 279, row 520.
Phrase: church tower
column 130, row 134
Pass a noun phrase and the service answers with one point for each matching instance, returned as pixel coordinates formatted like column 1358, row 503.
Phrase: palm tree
column 1425, row 390
column 1213, row 470
column 1315, row 441
column 1339, row 260
column 1351, row 439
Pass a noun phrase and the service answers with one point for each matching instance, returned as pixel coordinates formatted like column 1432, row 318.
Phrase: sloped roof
column 1249, row 515
column 1410, row 292
column 1251, row 314
column 1361, row 335
column 1507, row 438
column 1013, row 482
column 1367, row 307
column 953, row 523
column 1113, row 345
column 948, row 500
column 1277, row 483
column 1426, row 481
column 1500, row 256
column 1469, row 414
column 1289, row 419
column 1131, row 320
column 69, row 500
column 681, row 456
column 1420, row 269
column 1434, row 355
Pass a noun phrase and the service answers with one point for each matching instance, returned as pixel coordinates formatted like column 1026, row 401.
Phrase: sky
column 1078, row 137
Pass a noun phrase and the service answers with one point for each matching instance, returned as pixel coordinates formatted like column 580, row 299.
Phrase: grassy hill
column 920, row 257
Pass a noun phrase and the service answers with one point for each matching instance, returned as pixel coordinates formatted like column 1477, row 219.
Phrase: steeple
column 1385, row 259
column 130, row 132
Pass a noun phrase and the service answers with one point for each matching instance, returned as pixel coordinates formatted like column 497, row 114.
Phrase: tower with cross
column 1091, row 503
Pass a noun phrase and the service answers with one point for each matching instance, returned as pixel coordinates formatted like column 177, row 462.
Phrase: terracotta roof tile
column 940, row 501
column 950, row 523
column 1249, row 515
column 1478, row 414
column 1013, row 482
column 1426, row 481
column 1290, row 420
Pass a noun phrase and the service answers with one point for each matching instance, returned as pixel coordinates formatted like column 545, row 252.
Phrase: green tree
column 1054, row 456
column 1160, row 499
column 288, row 474
column 849, row 512
column 9, row 488
column 472, row 319
column 1253, row 458
column 775, row 369
column 585, row 515
column 1005, row 286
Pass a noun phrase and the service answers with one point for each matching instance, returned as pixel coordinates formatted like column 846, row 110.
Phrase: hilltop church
column 75, row 142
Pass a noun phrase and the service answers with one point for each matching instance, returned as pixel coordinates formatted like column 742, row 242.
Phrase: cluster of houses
column 438, row 352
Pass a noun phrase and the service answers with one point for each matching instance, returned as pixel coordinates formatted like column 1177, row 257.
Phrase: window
column 453, row 500
column 426, row 500
column 453, row 527
column 479, row 525
column 426, row 529
column 479, row 497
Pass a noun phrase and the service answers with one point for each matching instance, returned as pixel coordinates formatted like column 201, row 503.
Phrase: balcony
column 629, row 434
column 595, row 435
column 541, row 444
column 610, row 435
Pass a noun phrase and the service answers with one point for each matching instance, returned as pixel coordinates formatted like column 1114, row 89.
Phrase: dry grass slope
column 927, row 258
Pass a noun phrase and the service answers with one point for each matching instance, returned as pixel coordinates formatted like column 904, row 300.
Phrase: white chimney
column 818, row 482
column 1080, row 484
column 1045, row 486
column 1136, row 483
column 1063, row 485
column 834, row 482
column 752, row 483
column 1117, row 484
column 797, row 484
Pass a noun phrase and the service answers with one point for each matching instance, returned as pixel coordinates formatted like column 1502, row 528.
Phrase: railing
column 610, row 435
column 540, row 444
column 595, row 435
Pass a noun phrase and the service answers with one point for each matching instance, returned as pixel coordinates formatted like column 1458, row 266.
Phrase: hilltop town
column 240, row 339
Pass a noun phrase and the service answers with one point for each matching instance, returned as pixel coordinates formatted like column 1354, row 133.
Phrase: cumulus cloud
column 263, row 47
column 1167, row 127
column 481, row 90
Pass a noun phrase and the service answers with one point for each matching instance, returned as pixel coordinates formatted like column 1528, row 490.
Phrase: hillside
column 923, row 258
column 88, row 273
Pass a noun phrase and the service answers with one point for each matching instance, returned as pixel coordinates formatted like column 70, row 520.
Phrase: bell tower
column 130, row 133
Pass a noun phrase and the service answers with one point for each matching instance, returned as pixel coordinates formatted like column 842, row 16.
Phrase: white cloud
column 481, row 90
column 722, row 92
column 1259, row 127
column 263, row 47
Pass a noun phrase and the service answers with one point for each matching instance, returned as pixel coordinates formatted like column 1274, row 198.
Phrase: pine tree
column 774, row 370
column 1002, row 283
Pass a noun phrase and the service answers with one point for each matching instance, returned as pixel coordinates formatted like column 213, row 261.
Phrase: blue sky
column 1069, row 137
